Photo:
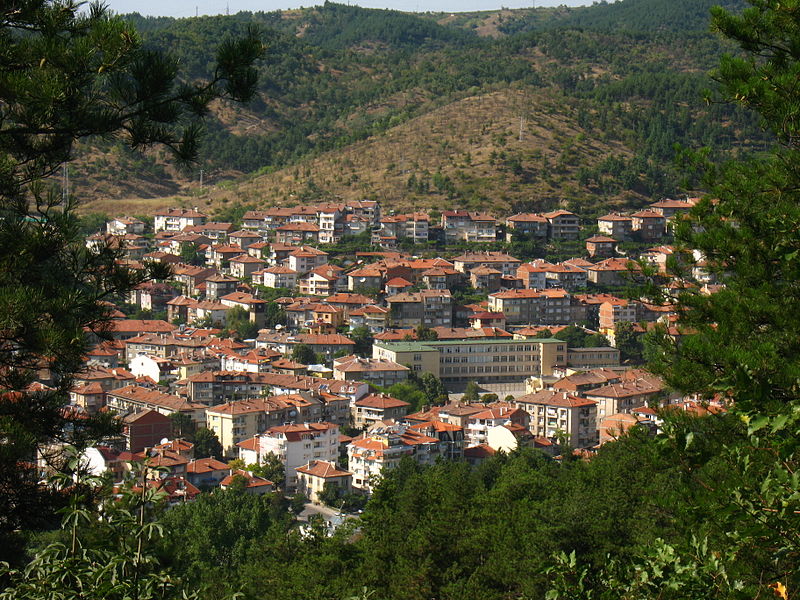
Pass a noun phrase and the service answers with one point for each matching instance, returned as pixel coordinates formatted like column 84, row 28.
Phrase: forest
column 336, row 74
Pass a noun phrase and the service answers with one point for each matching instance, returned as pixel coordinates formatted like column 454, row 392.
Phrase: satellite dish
column 292, row 413
column 278, row 327
column 164, row 441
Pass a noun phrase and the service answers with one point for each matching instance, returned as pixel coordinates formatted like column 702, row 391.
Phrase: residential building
column 617, row 226
column 528, row 224
column 500, row 261
column 536, row 307
column 430, row 308
column 316, row 474
column 649, row 225
column 554, row 413
column 383, row 373
column 133, row 398
column 562, row 225
column 375, row 408
column 296, row 446
column 177, row 219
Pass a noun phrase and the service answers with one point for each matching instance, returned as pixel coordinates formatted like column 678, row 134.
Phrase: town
column 313, row 371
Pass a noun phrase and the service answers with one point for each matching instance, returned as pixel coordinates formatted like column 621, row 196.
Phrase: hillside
column 440, row 97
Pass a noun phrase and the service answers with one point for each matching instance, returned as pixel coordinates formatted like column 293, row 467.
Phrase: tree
column 741, row 345
column 206, row 444
column 68, row 73
column 182, row 426
column 433, row 387
column 303, row 354
column 237, row 321
column 628, row 342
column 189, row 254
column 425, row 334
column 472, row 393
column 363, row 338
column 271, row 467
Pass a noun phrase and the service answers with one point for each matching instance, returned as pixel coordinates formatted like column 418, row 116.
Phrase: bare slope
column 467, row 154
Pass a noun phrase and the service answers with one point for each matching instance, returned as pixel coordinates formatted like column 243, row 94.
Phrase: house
column 669, row 207
column 427, row 307
column 253, row 484
column 562, row 225
column 529, row 225
column 218, row 285
column 460, row 225
column 649, row 225
column 306, row 258
column 374, row 318
column 612, row 271
column 124, row 329
column 533, row 275
column 412, row 226
column 275, row 277
column 145, row 429
column 91, row 397
column 218, row 232
column 219, row 256
column 243, row 238
column 375, row 408
column 297, row 233
column 297, row 445
column 321, row 281
column 507, row 265
column 124, row 226
column 555, row 413
column 480, row 423
column 254, row 306
column 601, row 246
column 366, row 278
column 313, row 476
column 565, row 276
column 624, row 396
column 383, row 373
column 244, row 265
column 134, row 398
column 485, row 278
column 615, row 225
column 177, row 219
column 440, row 278
column 207, row 472
column 614, row 311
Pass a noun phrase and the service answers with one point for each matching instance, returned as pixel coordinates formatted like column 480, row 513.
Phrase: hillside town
column 285, row 349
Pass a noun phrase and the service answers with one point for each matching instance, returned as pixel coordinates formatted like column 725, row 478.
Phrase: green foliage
column 271, row 467
column 206, row 443
column 67, row 73
column 237, row 321
column 577, row 337
column 183, row 426
column 471, row 392
column 363, row 338
column 105, row 555
column 303, row 354
column 425, row 334
column 628, row 342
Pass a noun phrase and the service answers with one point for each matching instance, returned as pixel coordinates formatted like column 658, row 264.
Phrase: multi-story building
column 528, row 224
column 375, row 408
column 430, row 308
column 615, row 225
column 649, row 225
column 413, row 226
column 382, row 449
column 295, row 446
column 460, row 225
column 536, row 307
column 134, row 398
column 555, row 413
column 177, row 219
column 562, row 225
column 483, row 360
column 240, row 420
column 383, row 373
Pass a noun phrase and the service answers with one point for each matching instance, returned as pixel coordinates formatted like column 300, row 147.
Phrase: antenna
column 196, row 11
column 227, row 9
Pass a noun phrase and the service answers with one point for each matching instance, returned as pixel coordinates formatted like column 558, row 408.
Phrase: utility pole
column 201, row 181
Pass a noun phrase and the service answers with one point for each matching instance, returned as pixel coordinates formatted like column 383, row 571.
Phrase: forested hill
column 583, row 106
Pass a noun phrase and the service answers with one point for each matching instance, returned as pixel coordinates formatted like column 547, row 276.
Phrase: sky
column 188, row 8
